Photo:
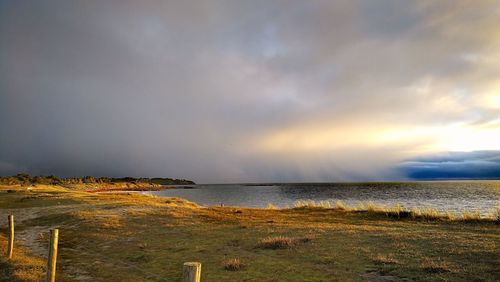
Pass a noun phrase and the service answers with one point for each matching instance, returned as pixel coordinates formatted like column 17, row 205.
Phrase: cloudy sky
column 237, row 91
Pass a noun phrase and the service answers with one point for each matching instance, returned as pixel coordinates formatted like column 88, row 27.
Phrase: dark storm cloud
column 456, row 165
column 201, row 89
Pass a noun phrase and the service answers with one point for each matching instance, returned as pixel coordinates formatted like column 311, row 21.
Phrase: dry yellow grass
column 436, row 266
column 431, row 214
column 471, row 215
column 282, row 242
column 279, row 242
column 370, row 207
column 22, row 267
column 233, row 264
column 341, row 206
column 271, row 207
column 138, row 237
column 312, row 204
column 385, row 259
column 397, row 211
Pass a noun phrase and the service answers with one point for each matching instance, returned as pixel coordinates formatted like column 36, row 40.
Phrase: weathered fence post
column 51, row 265
column 191, row 272
column 10, row 248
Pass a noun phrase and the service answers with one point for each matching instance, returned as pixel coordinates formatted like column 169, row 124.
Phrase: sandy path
column 27, row 235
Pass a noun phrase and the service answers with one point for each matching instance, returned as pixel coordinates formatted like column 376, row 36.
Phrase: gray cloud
column 189, row 89
column 456, row 165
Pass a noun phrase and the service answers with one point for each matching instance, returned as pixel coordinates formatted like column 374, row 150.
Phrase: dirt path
column 29, row 236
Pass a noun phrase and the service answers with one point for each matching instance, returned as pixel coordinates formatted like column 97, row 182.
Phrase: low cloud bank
column 454, row 165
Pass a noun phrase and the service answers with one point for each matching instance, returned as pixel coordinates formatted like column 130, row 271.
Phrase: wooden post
column 10, row 248
column 51, row 265
column 191, row 272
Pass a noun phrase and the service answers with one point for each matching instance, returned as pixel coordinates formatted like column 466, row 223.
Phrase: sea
column 453, row 196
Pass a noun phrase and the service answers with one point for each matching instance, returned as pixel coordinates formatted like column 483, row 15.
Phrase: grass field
column 115, row 237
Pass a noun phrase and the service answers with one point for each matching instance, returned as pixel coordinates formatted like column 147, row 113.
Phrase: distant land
column 90, row 182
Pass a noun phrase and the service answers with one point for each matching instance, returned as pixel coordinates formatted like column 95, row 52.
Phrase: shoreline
column 396, row 210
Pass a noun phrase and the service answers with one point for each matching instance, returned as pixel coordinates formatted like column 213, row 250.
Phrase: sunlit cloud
column 467, row 139
column 416, row 141
column 232, row 91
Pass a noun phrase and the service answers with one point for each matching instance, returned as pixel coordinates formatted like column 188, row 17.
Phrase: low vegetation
column 385, row 259
column 397, row 211
column 130, row 237
column 26, row 179
column 436, row 266
column 22, row 267
column 279, row 242
column 233, row 264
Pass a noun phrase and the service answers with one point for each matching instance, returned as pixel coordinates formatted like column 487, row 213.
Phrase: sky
column 251, row 91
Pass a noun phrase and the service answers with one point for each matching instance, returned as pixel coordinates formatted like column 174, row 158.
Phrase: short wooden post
column 191, row 272
column 51, row 265
column 10, row 247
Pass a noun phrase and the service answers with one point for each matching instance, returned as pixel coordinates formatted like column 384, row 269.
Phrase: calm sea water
column 454, row 196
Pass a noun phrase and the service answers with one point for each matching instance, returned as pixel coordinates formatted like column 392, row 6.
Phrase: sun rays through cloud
column 235, row 91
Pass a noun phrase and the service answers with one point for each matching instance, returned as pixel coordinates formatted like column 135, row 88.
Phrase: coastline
column 158, row 234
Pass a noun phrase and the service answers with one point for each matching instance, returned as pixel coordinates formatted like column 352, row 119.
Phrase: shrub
column 271, row 206
column 433, row 266
column 233, row 264
column 399, row 212
column 385, row 259
column 341, row 206
column 313, row 204
column 279, row 242
column 88, row 179
column 370, row 207
column 282, row 242
column 471, row 216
